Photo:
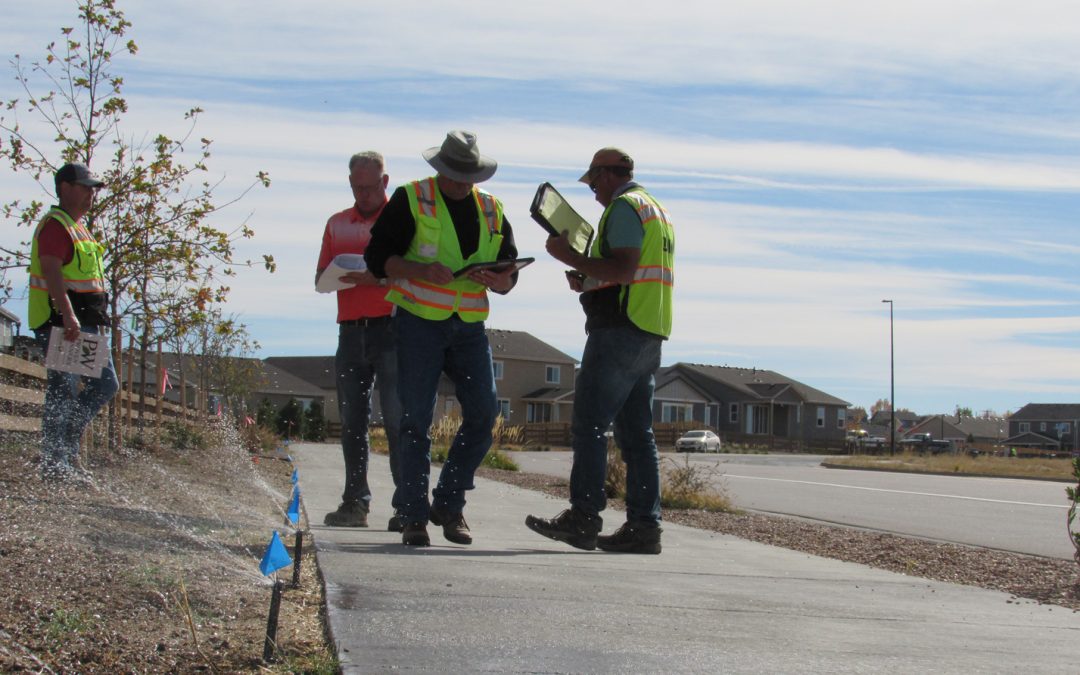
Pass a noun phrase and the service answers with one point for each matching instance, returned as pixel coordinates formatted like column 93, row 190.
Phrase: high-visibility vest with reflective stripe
column 436, row 241
column 83, row 276
column 647, row 300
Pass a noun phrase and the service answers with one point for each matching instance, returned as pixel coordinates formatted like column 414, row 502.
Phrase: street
column 1023, row 516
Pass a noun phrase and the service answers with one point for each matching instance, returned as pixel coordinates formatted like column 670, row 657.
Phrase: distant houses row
column 535, row 383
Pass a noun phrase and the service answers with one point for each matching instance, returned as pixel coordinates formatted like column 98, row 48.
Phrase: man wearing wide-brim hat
column 429, row 229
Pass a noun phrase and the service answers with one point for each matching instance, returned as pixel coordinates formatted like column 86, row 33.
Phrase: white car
column 698, row 441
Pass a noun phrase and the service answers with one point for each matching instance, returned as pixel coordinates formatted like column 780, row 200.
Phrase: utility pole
column 892, row 384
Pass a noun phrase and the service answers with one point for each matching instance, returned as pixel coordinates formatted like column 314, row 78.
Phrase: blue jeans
column 366, row 357
column 67, row 410
column 426, row 349
column 616, row 385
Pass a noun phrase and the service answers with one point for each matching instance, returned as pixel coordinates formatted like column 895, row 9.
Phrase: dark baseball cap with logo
column 73, row 172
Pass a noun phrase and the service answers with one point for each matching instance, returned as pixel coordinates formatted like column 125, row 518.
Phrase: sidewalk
column 515, row 602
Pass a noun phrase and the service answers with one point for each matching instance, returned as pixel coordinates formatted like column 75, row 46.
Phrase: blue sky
column 816, row 158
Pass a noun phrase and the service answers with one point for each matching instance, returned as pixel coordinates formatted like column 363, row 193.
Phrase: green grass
column 1026, row 467
column 63, row 623
column 495, row 458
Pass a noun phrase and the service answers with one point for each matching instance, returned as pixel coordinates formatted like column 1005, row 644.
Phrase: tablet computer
column 554, row 213
column 496, row 265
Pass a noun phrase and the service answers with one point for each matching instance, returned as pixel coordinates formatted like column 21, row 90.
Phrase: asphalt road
column 1024, row 516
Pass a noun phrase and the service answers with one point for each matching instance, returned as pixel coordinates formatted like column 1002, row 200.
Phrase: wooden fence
column 22, row 397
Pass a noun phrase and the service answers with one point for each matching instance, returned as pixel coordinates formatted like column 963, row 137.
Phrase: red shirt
column 53, row 240
column 348, row 232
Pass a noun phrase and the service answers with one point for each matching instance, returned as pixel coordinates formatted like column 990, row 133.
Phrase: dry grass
column 153, row 568
column 1028, row 467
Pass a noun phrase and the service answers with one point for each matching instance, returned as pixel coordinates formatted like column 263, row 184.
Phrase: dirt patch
column 152, row 567
column 1027, row 578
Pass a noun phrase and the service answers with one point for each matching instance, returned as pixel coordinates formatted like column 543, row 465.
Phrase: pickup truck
column 925, row 443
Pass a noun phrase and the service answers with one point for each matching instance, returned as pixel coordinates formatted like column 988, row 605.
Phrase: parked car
column 698, row 441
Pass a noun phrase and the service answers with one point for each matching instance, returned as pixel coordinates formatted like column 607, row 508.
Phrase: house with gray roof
column 749, row 404
column 961, row 429
column 1046, row 426
column 535, row 381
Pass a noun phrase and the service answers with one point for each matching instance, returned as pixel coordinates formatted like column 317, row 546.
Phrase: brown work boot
column 454, row 527
column 349, row 514
column 415, row 534
column 632, row 538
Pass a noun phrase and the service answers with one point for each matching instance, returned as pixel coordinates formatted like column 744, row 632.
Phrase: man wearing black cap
column 429, row 229
column 67, row 289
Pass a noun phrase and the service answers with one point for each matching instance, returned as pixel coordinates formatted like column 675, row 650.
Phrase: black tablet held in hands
column 554, row 213
column 496, row 265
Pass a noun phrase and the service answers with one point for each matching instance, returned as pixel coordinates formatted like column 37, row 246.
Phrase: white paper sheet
column 86, row 355
column 341, row 265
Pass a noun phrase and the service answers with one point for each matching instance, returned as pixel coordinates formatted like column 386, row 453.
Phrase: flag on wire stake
column 165, row 383
column 294, row 506
column 276, row 556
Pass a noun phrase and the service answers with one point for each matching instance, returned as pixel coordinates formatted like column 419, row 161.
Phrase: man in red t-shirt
column 365, row 354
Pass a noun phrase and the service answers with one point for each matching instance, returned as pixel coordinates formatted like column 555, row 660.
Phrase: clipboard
column 496, row 265
column 554, row 213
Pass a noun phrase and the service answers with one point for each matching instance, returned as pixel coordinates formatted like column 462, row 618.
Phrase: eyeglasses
column 374, row 187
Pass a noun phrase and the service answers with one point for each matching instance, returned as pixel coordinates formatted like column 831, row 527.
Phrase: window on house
column 841, row 417
column 1042, row 426
column 504, row 409
column 1025, row 427
column 538, row 412
column 821, row 417
column 733, row 413
column 551, row 374
column 497, row 368
column 676, row 412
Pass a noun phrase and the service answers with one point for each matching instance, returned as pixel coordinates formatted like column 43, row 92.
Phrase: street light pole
column 892, row 384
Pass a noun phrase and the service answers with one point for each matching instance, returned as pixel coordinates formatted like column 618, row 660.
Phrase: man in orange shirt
column 365, row 354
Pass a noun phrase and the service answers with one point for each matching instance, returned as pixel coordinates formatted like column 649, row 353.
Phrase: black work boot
column 571, row 526
column 453, row 525
column 632, row 538
column 349, row 514
column 396, row 524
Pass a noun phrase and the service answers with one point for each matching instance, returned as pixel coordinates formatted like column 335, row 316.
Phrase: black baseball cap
column 73, row 172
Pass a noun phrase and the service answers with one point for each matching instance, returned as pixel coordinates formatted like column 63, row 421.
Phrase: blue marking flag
column 275, row 557
column 295, row 476
column 294, row 506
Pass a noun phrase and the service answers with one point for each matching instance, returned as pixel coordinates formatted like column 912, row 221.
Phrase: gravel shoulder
column 1026, row 578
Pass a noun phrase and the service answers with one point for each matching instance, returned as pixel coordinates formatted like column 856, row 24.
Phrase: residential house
column 749, row 404
column 905, row 420
column 9, row 328
column 961, row 429
column 535, row 381
column 1047, row 426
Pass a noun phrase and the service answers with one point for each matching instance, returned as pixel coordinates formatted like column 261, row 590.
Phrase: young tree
column 165, row 260
column 290, row 420
column 266, row 414
column 315, row 423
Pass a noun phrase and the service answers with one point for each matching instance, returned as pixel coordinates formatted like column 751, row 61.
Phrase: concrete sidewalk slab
column 516, row 602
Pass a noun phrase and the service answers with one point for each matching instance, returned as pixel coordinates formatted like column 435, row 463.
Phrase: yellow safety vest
column 436, row 241
column 84, row 276
column 647, row 300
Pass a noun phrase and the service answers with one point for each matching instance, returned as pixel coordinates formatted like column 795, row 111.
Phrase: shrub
column 315, row 423
column 685, row 486
column 290, row 420
column 494, row 459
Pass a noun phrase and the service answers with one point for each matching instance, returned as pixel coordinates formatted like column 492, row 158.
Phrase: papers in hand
column 554, row 213
column 342, row 264
column 86, row 355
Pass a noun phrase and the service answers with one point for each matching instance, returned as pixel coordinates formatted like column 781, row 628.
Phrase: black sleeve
column 391, row 234
column 507, row 250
